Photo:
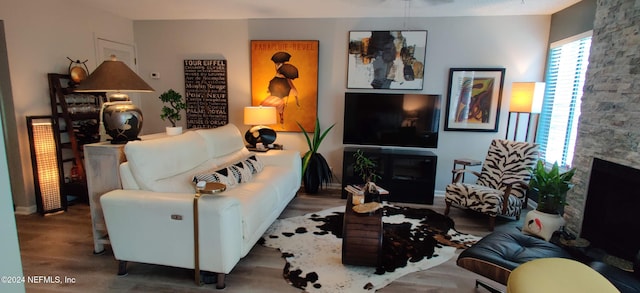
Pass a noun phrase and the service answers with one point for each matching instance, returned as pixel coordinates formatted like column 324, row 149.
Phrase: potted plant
column 171, row 110
column 315, row 169
column 551, row 186
column 364, row 167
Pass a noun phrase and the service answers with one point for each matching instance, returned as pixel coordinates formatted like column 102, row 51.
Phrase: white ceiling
column 247, row 9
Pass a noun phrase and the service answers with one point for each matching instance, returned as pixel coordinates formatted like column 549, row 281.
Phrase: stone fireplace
column 609, row 126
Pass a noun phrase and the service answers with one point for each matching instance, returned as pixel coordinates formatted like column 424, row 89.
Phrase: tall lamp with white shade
column 526, row 100
column 121, row 119
column 259, row 118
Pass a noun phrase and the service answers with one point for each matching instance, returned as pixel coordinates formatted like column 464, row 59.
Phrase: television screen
column 407, row 120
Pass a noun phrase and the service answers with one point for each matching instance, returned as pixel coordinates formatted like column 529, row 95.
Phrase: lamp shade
column 113, row 75
column 526, row 97
column 260, row 115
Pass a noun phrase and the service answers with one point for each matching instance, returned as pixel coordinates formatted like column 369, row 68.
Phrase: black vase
column 371, row 193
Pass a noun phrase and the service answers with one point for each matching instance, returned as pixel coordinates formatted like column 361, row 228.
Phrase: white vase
column 174, row 130
column 542, row 224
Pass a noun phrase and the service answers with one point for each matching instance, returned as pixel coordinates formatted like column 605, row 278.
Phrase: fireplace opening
column 611, row 219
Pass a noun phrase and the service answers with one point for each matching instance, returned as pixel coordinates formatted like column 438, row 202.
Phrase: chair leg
column 447, row 207
column 486, row 286
column 492, row 222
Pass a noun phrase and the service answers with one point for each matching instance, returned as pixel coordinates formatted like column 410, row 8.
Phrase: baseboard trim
column 24, row 211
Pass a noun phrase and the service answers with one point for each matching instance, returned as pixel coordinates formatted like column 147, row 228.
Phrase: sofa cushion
column 157, row 164
column 222, row 141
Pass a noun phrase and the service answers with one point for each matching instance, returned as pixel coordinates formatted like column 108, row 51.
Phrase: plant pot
column 542, row 224
column 174, row 130
column 317, row 173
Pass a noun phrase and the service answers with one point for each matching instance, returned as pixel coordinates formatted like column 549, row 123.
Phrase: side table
column 464, row 163
column 361, row 237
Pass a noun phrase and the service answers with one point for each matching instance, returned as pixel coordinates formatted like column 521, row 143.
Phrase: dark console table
column 409, row 175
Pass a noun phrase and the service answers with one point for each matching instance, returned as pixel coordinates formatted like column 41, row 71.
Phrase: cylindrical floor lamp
column 526, row 100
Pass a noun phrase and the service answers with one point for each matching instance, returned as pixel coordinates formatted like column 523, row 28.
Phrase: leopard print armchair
column 502, row 185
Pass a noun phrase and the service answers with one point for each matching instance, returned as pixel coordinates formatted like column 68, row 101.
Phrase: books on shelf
column 359, row 189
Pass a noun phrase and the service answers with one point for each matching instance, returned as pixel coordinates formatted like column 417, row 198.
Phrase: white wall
column 40, row 36
column 517, row 43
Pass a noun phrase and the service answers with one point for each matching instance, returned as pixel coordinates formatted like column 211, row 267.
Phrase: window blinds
column 558, row 124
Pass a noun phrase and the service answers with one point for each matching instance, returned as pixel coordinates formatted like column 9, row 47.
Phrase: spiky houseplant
column 315, row 169
column 551, row 185
column 175, row 103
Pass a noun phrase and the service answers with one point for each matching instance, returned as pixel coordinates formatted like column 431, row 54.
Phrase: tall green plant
column 552, row 186
column 314, row 144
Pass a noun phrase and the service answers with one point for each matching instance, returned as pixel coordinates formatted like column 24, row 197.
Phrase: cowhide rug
column 414, row 240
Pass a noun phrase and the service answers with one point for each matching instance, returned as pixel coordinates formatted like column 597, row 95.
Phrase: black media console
column 408, row 175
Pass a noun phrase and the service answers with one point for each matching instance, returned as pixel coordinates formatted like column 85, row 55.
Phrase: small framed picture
column 473, row 99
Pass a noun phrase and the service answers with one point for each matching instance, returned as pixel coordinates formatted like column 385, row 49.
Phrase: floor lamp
column 526, row 104
column 46, row 165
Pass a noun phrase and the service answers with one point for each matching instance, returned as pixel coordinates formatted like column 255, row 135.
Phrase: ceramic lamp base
column 542, row 224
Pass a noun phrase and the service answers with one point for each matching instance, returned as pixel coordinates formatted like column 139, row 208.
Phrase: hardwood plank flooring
column 61, row 245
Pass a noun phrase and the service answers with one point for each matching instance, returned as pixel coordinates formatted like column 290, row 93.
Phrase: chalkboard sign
column 205, row 86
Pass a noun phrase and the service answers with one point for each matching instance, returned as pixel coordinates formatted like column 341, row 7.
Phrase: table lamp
column 526, row 98
column 259, row 117
column 121, row 119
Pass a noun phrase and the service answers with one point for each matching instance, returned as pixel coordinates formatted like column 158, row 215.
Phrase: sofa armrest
column 157, row 228
column 285, row 158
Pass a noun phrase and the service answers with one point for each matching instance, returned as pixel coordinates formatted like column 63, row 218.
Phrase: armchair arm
column 458, row 174
column 510, row 183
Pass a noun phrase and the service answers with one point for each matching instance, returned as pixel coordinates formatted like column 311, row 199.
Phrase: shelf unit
column 76, row 120
column 409, row 175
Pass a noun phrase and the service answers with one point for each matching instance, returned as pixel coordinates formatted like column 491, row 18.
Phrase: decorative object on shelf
column 473, row 99
column 46, row 165
column 386, row 59
column 552, row 186
column 371, row 193
column 78, row 71
column 172, row 111
column 122, row 120
column 284, row 75
column 315, row 169
column 526, row 99
column 259, row 117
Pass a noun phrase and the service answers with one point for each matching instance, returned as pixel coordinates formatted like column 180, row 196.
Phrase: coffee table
column 361, row 237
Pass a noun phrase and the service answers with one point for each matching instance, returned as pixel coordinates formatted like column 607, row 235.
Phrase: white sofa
column 150, row 220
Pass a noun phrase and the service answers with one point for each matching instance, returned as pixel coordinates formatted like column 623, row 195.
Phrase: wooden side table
column 361, row 237
column 464, row 163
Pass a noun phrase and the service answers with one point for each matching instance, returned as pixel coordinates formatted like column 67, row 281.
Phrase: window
column 558, row 123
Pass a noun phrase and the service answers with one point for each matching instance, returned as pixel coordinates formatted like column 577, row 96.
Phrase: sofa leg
column 122, row 268
column 220, row 282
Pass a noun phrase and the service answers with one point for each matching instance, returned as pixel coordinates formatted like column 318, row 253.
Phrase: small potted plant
column 315, row 169
column 171, row 110
column 551, row 186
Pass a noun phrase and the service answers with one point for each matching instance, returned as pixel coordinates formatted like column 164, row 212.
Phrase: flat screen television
column 404, row 120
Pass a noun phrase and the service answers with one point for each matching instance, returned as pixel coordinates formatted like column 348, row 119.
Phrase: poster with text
column 205, row 87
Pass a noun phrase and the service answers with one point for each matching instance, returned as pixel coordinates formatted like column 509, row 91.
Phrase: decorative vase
column 174, row 130
column 542, row 224
column 371, row 193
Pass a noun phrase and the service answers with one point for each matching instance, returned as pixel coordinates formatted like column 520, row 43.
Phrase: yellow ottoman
column 550, row 275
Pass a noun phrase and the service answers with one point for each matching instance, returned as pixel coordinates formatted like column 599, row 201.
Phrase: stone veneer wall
column 609, row 126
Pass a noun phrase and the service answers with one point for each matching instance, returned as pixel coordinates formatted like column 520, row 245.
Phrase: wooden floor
column 62, row 246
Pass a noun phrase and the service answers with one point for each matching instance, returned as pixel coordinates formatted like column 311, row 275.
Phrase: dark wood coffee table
column 361, row 237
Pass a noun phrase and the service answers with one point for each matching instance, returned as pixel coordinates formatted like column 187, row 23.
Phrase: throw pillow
column 242, row 172
column 225, row 176
column 255, row 164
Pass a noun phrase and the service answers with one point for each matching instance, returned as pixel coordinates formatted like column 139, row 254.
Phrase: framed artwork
column 284, row 74
column 473, row 99
column 386, row 59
